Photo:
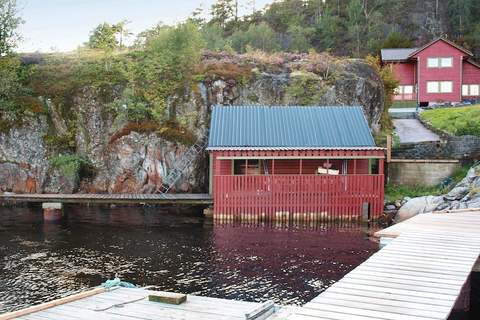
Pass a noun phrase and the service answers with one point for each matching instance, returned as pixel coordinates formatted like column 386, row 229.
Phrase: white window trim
column 439, row 62
column 469, row 89
column 439, row 86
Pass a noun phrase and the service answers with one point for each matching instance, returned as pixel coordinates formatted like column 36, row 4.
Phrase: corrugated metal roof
column 282, row 128
column 397, row 54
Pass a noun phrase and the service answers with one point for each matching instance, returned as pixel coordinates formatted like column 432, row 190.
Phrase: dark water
column 290, row 265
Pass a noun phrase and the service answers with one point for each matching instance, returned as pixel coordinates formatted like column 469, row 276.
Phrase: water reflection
column 176, row 251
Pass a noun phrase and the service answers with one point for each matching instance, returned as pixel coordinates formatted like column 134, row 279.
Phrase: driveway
column 412, row 130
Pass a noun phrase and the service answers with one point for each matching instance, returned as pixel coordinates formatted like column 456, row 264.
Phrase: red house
column 294, row 163
column 440, row 71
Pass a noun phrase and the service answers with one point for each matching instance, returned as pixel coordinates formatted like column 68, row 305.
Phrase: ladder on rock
column 180, row 167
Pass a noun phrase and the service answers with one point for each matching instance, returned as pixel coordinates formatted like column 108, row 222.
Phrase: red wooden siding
column 264, row 196
column 404, row 72
column 454, row 73
column 471, row 73
column 301, row 196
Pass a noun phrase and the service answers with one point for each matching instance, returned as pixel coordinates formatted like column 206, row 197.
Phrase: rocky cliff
column 125, row 157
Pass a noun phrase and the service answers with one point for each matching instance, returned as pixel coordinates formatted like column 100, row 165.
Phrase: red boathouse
column 295, row 162
column 438, row 72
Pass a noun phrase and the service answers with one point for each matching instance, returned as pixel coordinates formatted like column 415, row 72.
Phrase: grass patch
column 457, row 121
column 393, row 192
column 404, row 104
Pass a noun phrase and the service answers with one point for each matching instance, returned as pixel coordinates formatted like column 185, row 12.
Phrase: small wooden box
column 168, row 297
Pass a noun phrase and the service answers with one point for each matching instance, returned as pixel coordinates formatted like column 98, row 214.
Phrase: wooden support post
column 273, row 166
column 354, row 166
column 381, row 166
column 389, row 148
column 52, row 211
column 301, row 166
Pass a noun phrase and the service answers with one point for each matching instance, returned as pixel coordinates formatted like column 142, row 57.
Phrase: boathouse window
column 246, row 167
column 436, row 62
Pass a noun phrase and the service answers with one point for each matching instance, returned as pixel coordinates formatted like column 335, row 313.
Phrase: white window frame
column 443, row 59
column 405, row 91
column 439, row 86
column 433, row 63
column 471, row 90
column 442, row 88
column 431, row 89
column 439, row 62
column 475, row 92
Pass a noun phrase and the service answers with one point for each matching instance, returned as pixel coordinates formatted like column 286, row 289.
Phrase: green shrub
column 70, row 165
column 306, row 88
column 393, row 192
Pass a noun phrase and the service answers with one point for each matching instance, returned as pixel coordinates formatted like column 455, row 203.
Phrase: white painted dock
column 419, row 275
column 132, row 303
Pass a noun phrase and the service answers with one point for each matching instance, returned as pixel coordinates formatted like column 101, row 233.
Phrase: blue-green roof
column 286, row 127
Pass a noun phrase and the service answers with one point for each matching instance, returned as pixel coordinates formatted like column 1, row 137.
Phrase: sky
column 63, row 25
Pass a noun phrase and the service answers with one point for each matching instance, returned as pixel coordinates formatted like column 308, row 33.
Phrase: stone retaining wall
column 414, row 173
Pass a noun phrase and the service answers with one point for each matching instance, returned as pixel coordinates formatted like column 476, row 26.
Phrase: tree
column 213, row 35
column 9, row 23
column 223, row 11
column 103, row 37
column 397, row 40
column 145, row 37
column 122, row 32
column 166, row 67
column 327, row 28
column 260, row 36
column 355, row 26
column 461, row 15
column 299, row 38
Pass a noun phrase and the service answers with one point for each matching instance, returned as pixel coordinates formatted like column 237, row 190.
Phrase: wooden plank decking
column 131, row 303
column 419, row 275
column 123, row 198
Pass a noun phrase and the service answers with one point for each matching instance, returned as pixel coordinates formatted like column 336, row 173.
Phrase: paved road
column 412, row 130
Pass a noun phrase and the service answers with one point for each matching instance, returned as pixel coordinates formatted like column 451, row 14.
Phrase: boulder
column 418, row 205
column 457, row 193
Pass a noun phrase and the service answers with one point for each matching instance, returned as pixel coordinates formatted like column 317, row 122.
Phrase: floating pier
column 133, row 303
column 117, row 198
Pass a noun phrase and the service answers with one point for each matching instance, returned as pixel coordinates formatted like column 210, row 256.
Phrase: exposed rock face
column 466, row 194
column 135, row 162
column 23, row 158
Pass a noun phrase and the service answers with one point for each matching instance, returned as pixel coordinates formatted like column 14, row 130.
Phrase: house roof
column 402, row 54
column 289, row 128
column 396, row 54
column 453, row 44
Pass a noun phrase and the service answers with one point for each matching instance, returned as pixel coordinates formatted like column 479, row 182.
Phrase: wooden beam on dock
column 164, row 199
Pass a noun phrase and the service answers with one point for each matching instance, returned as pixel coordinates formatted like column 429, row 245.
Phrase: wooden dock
column 123, row 198
column 133, row 303
column 419, row 275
